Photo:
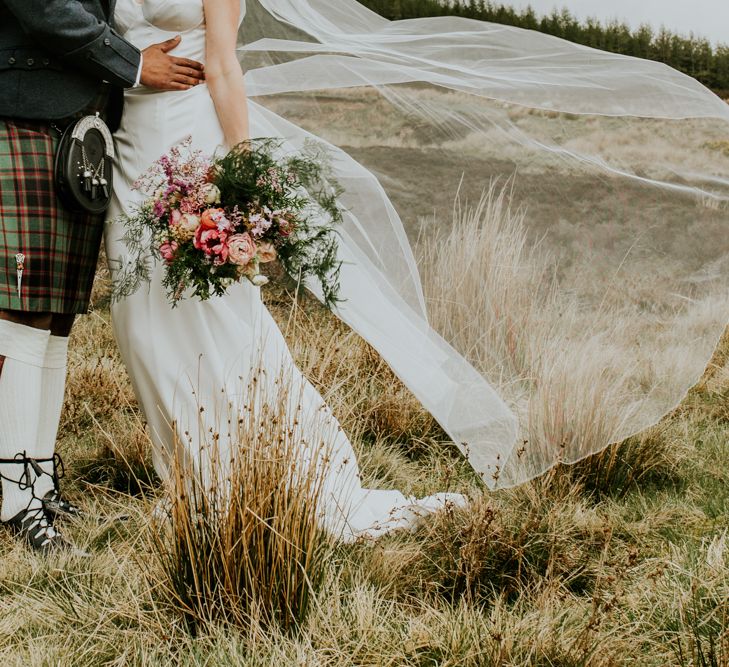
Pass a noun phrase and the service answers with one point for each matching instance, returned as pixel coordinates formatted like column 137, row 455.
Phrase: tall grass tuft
column 568, row 372
column 486, row 285
column 243, row 544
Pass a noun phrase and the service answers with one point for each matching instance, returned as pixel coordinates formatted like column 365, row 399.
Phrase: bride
column 182, row 360
column 634, row 309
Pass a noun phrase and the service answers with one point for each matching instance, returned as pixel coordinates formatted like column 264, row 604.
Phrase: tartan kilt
column 61, row 247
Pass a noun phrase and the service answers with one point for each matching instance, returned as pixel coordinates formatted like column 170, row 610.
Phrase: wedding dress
column 619, row 174
column 184, row 359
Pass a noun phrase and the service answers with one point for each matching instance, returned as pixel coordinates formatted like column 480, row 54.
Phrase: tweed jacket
column 55, row 54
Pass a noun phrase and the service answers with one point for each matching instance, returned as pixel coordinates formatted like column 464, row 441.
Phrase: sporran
column 83, row 165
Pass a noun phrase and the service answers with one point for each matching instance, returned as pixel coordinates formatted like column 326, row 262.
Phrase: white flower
column 187, row 226
column 212, row 193
column 189, row 222
column 259, row 280
column 259, row 224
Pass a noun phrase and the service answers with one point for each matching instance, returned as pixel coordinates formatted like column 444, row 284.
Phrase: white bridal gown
column 194, row 355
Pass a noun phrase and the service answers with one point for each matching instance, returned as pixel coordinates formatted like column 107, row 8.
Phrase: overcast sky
column 707, row 18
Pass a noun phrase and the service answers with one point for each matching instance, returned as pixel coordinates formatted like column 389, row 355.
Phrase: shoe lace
column 36, row 522
column 26, row 479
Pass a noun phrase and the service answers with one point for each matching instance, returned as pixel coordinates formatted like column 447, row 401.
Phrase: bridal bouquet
column 215, row 221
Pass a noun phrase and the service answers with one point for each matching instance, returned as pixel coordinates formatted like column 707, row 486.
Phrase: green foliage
column 691, row 55
column 312, row 252
column 132, row 274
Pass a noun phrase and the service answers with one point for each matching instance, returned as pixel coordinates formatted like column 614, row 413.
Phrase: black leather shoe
column 35, row 528
column 60, row 508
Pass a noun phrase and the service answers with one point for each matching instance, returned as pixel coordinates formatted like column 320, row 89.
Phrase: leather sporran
column 83, row 165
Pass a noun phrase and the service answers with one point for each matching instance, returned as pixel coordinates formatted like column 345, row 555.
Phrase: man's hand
column 165, row 72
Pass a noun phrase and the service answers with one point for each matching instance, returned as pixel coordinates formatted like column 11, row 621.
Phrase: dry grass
column 570, row 367
column 552, row 573
column 237, row 541
column 487, row 287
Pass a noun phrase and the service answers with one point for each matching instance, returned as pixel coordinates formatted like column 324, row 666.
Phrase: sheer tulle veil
column 578, row 301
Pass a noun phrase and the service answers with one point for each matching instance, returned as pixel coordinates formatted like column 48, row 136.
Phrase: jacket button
column 107, row 42
column 11, row 61
column 30, row 62
column 46, row 62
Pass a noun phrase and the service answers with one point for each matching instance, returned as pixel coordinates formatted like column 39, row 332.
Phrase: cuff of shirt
column 139, row 71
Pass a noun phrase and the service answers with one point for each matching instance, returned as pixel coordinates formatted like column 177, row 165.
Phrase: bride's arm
column 223, row 72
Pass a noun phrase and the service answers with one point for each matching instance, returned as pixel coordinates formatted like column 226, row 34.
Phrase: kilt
column 61, row 247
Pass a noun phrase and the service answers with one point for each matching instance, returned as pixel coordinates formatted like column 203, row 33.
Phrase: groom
column 59, row 60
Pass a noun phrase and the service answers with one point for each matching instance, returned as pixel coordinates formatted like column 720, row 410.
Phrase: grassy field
column 621, row 560
column 587, row 330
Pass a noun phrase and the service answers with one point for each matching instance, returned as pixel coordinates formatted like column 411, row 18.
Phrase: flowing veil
column 575, row 302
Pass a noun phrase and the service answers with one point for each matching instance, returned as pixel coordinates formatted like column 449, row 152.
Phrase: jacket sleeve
column 67, row 29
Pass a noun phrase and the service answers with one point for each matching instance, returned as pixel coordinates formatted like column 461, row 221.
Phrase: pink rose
column 241, row 249
column 212, row 243
column 175, row 217
column 266, row 252
column 168, row 250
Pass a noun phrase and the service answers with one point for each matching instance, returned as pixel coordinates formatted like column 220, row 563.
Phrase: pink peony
column 212, row 243
column 241, row 249
column 168, row 250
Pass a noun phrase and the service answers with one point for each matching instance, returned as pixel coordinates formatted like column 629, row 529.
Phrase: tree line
column 692, row 55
